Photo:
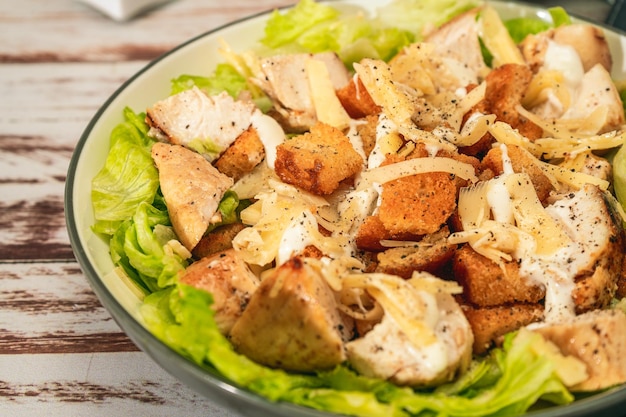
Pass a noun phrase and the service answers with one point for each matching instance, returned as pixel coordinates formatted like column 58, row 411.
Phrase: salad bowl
column 200, row 56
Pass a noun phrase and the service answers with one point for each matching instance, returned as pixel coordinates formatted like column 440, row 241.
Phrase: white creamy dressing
column 297, row 236
column 554, row 271
column 354, row 209
column 565, row 59
column 270, row 133
column 384, row 127
column 355, row 138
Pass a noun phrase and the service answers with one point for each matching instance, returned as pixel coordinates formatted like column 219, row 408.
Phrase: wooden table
column 61, row 354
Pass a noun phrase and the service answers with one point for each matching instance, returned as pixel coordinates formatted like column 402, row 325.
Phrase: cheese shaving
column 328, row 108
column 408, row 306
column 414, row 166
column 497, row 39
column 551, row 148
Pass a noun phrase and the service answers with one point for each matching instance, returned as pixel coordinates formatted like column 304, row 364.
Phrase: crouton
column 418, row 204
column 485, row 284
column 521, row 161
column 429, row 254
column 219, row 239
column 242, row 156
column 356, row 100
column 317, row 161
column 489, row 324
column 506, row 86
column 372, row 231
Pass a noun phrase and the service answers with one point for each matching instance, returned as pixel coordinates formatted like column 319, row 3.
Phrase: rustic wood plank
column 67, row 37
column 50, row 308
column 100, row 384
column 50, row 106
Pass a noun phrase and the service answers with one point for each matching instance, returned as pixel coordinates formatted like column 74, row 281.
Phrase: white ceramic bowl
column 152, row 83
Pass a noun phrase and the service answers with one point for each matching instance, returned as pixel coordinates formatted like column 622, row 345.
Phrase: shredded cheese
column 414, row 166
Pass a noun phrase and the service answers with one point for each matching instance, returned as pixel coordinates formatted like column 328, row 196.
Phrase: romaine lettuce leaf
column 139, row 247
column 128, row 177
column 224, row 78
column 521, row 27
column 416, row 15
column 285, row 28
column 313, row 27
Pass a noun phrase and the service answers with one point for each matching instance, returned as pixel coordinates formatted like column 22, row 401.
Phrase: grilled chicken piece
column 227, row 277
column 192, row 189
column 597, row 252
column 292, row 321
column 458, row 39
column 284, row 79
column 208, row 125
column 597, row 338
column 597, row 90
column 386, row 352
column 588, row 41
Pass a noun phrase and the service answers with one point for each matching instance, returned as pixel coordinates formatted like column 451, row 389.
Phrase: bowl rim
column 215, row 386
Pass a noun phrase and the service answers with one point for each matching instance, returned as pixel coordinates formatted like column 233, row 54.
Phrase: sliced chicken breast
column 598, row 90
column 386, row 352
column 595, row 258
column 227, row 277
column 458, row 39
column 208, row 125
column 192, row 188
column 284, row 78
column 598, row 339
column 292, row 321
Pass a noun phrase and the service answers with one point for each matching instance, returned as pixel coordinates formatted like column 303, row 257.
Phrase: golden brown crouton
column 429, row 254
column 242, row 156
column 317, row 161
column 356, row 100
column 372, row 231
column 218, row 240
column 486, row 284
column 521, row 161
column 489, row 324
column 418, row 204
column 506, row 86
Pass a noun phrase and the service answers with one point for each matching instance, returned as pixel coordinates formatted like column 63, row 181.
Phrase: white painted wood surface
column 61, row 354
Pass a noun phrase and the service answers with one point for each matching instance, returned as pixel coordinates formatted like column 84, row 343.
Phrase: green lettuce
column 128, row 177
column 506, row 383
column 521, row 27
column 224, row 78
column 416, row 15
column 313, row 27
column 139, row 247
